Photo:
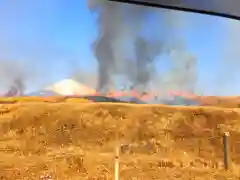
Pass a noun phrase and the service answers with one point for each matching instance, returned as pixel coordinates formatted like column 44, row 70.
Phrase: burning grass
column 71, row 140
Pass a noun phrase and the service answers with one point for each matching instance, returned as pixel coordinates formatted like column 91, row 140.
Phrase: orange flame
column 148, row 95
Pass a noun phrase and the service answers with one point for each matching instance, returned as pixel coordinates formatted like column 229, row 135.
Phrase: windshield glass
column 115, row 48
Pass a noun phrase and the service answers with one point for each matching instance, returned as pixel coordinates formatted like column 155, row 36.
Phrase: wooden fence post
column 226, row 153
column 117, row 146
column 116, row 166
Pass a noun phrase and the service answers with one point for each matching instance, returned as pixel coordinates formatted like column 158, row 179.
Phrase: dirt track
column 73, row 140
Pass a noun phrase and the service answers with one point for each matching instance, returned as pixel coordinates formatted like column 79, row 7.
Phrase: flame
column 148, row 95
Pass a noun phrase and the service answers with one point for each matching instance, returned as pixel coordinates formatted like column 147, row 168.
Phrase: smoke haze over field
column 13, row 74
column 116, row 46
column 125, row 23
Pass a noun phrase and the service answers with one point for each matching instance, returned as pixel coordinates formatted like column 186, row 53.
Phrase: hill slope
column 76, row 141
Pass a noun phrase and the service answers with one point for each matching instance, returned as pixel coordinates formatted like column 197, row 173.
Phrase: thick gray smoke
column 114, row 33
column 120, row 28
column 145, row 53
column 14, row 77
column 107, row 33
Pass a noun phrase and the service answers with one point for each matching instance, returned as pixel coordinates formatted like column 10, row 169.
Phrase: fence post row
column 226, row 155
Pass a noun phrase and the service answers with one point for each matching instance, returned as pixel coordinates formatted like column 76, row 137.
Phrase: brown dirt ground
column 76, row 140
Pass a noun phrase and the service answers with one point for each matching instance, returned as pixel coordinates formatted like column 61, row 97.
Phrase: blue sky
column 54, row 36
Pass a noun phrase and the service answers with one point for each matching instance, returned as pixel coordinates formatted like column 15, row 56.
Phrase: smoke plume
column 121, row 30
column 14, row 76
column 145, row 53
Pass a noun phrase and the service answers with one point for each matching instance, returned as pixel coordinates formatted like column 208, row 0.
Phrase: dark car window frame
column 159, row 5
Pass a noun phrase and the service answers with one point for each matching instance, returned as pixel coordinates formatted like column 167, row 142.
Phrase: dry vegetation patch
column 71, row 140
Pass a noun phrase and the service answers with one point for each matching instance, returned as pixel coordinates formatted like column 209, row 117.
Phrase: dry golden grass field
column 227, row 101
column 73, row 139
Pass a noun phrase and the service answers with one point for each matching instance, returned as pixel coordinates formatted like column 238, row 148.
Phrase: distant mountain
column 68, row 87
column 43, row 93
